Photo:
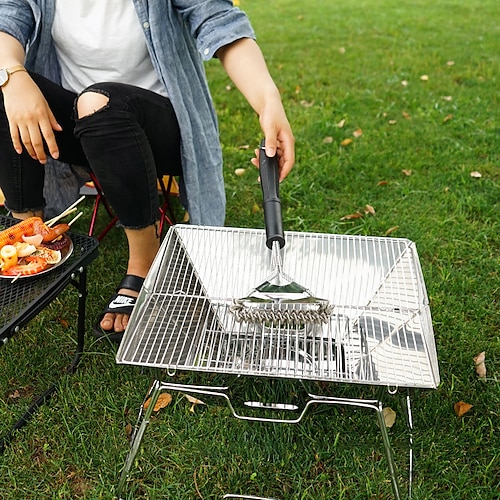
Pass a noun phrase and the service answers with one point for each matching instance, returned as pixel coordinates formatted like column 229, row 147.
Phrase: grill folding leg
column 372, row 404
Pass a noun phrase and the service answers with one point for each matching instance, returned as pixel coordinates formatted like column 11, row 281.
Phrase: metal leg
column 245, row 497
column 81, row 285
column 142, row 423
column 158, row 387
column 406, row 407
column 388, row 450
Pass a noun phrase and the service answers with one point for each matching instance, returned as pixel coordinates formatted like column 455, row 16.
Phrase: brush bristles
column 282, row 314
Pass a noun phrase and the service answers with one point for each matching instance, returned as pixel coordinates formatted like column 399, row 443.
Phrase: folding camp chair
column 167, row 186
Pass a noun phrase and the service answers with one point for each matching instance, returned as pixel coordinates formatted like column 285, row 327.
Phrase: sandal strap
column 131, row 282
column 121, row 304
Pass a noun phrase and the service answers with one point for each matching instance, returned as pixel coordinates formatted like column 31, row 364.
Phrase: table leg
column 81, row 285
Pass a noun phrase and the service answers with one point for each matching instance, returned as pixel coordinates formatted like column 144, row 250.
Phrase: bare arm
column 31, row 121
column 244, row 63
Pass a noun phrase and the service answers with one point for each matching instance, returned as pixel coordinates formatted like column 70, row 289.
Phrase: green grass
column 333, row 61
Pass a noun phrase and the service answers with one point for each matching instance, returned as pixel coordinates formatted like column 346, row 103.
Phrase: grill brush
column 278, row 299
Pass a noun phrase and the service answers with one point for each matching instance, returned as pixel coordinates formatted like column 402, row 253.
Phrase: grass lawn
column 394, row 105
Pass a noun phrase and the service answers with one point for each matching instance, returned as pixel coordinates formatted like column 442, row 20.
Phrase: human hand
column 31, row 122
column 279, row 138
column 245, row 65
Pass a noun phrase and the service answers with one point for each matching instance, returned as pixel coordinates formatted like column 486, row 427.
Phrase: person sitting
column 120, row 87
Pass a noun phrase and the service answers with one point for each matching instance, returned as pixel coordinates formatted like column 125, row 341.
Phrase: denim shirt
column 180, row 35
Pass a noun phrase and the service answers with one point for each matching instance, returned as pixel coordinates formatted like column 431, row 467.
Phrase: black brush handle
column 269, row 180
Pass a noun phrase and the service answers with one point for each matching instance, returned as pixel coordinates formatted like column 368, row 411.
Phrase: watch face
column 4, row 77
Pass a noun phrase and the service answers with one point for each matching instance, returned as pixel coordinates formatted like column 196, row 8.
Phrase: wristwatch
column 6, row 72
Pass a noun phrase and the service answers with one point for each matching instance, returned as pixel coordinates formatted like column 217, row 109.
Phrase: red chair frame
column 166, row 212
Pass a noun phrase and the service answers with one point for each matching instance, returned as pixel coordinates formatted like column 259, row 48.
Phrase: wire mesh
column 380, row 330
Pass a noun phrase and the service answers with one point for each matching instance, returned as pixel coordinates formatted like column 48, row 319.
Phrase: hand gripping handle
column 269, row 179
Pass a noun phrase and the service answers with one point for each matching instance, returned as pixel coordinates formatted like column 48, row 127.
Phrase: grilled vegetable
column 8, row 257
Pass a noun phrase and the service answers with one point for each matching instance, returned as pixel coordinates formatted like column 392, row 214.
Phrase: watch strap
column 7, row 72
column 15, row 69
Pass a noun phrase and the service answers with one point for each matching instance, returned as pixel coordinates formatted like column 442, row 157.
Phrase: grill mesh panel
column 380, row 331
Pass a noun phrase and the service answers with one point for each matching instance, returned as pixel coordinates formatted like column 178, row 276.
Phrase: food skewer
column 69, row 210
column 34, row 265
column 75, row 218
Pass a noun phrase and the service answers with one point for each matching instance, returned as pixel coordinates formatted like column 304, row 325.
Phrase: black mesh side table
column 23, row 299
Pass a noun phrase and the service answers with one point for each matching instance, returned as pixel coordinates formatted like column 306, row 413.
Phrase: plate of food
column 31, row 248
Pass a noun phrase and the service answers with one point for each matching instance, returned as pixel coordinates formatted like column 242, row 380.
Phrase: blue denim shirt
column 180, row 34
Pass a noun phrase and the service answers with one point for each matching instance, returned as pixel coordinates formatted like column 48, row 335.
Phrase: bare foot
column 117, row 322
column 143, row 245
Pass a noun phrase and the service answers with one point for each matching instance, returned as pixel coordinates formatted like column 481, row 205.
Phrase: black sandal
column 119, row 303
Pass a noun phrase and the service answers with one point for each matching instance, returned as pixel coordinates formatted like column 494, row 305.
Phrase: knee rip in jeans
column 90, row 102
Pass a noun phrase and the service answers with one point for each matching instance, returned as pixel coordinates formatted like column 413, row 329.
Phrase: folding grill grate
column 379, row 333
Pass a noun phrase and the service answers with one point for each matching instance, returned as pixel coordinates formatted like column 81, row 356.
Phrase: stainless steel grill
column 380, row 331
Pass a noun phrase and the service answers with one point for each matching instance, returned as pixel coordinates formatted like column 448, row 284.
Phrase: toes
column 121, row 321
column 115, row 322
column 108, row 321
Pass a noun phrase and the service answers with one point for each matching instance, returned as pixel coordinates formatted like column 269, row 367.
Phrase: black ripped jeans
column 127, row 144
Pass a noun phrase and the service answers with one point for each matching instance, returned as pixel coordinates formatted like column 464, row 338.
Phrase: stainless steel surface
column 380, row 331
column 281, row 300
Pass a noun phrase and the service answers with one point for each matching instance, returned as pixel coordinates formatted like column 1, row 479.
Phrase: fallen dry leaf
column 341, row 50
column 404, row 83
column 447, row 118
column 476, row 175
column 407, row 172
column 306, row 104
column 448, row 98
column 461, row 408
column 21, row 392
column 391, row 230
column 424, row 78
column 382, row 183
column 128, row 431
column 194, row 401
column 328, row 140
column 406, row 115
column 239, row 172
column 256, row 208
column 450, row 63
column 14, row 395
column 164, row 400
column 244, row 146
column 297, row 89
column 479, row 362
column 341, row 123
column 64, row 323
column 369, row 210
column 346, row 142
column 356, row 215
column 392, row 122
column 357, row 133
column 389, row 416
